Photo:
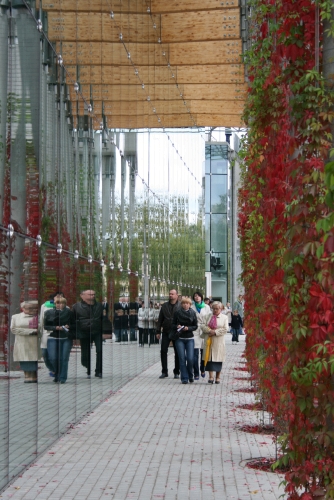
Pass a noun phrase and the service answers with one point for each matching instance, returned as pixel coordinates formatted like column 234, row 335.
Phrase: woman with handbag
column 214, row 328
column 201, row 309
column 183, row 326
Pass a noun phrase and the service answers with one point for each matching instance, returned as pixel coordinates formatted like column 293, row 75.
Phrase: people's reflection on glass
column 133, row 320
column 121, row 320
column 25, row 326
column 87, row 325
column 49, row 304
column 105, row 307
column 57, row 321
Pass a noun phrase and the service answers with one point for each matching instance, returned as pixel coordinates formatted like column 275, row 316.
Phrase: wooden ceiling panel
column 187, row 71
column 232, row 73
column 201, row 25
column 143, row 54
column 215, row 52
column 98, row 27
column 92, row 6
column 162, row 7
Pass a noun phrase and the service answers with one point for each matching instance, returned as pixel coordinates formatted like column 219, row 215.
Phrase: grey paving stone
column 158, row 439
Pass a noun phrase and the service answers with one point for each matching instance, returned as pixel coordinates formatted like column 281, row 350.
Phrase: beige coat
column 199, row 343
column 26, row 345
column 217, row 341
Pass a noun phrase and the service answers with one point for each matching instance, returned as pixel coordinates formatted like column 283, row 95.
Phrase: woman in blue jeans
column 185, row 322
column 58, row 320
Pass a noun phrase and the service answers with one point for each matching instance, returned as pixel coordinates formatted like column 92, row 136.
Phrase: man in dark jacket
column 165, row 323
column 87, row 326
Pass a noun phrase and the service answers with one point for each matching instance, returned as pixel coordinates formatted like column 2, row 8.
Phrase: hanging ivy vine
column 286, row 225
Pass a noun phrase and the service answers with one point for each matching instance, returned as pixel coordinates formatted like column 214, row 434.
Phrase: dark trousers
column 85, row 353
column 164, row 355
column 235, row 334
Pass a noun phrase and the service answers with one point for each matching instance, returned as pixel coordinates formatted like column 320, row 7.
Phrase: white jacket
column 199, row 342
column 26, row 345
column 142, row 317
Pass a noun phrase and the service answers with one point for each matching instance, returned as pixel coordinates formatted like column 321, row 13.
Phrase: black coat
column 87, row 319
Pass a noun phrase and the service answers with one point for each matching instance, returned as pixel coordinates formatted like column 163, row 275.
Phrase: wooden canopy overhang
column 151, row 63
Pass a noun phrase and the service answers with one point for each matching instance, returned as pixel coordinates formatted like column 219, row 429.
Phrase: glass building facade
column 217, row 223
column 82, row 208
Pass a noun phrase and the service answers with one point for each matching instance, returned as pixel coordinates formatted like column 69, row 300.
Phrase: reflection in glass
column 96, row 226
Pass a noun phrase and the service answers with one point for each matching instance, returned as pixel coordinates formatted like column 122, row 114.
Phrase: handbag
column 173, row 335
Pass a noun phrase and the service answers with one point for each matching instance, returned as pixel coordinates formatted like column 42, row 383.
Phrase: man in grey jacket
column 165, row 323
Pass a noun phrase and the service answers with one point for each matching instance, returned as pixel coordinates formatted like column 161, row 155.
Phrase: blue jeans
column 235, row 334
column 59, row 355
column 45, row 355
column 185, row 350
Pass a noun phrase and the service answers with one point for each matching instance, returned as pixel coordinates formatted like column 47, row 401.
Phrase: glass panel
column 218, row 194
column 218, row 233
column 83, row 207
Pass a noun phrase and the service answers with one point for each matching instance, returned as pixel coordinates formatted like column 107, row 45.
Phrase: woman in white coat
column 25, row 328
column 201, row 310
column 214, row 328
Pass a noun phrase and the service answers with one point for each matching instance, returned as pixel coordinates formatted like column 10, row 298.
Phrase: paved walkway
column 159, row 439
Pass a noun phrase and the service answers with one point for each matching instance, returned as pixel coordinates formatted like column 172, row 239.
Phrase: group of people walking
column 197, row 331
column 59, row 326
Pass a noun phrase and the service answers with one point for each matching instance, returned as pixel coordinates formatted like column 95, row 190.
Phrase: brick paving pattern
column 159, row 439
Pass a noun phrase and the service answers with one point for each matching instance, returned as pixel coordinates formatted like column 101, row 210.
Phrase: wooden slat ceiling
column 157, row 63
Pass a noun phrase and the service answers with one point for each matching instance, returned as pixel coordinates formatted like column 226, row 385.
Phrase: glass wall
column 217, row 238
column 110, row 220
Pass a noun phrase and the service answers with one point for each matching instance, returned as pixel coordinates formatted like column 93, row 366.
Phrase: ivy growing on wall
column 287, row 237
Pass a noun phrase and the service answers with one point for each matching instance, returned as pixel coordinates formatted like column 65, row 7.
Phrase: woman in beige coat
column 214, row 328
column 24, row 326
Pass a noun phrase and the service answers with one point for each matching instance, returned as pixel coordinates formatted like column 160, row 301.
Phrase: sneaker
column 196, row 378
column 203, row 374
column 51, row 374
column 176, row 376
column 163, row 375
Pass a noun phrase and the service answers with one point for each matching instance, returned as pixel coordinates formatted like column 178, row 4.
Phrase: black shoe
column 163, row 375
column 98, row 375
column 191, row 380
column 185, row 381
column 176, row 376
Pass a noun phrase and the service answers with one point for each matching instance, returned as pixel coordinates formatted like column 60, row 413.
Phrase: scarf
column 213, row 322
column 185, row 318
column 199, row 306
column 212, row 325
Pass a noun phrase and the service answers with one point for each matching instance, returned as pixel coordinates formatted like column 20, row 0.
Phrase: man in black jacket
column 87, row 326
column 165, row 322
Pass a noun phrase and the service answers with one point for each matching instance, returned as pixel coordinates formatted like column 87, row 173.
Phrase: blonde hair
column 61, row 300
column 186, row 300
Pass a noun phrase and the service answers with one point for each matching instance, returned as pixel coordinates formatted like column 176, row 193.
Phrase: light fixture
column 112, row 15
column 76, row 254
column 39, row 25
column 111, row 266
column 59, row 248
column 90, row 259
column 10, row 231
column 76, row 87
column 60, row 60
column 38, row 240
